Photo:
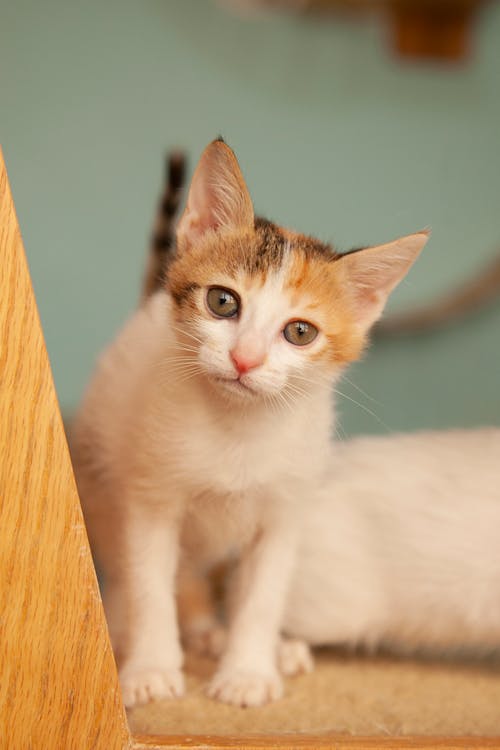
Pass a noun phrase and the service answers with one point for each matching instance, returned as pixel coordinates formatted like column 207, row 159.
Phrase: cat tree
column 59, row 688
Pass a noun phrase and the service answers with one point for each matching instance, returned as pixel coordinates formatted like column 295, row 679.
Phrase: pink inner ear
column 375, row 271
column 197, row 223
column 204, row 206
column 218, row 196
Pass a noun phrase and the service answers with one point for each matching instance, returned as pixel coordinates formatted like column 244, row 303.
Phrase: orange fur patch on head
column 252, row 252
column 215, row 257
column 319, row 282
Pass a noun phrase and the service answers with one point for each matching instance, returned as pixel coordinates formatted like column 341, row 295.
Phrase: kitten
column 207, row 424
column 400, row 547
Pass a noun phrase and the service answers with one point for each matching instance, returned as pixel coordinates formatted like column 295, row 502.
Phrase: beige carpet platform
column 345, row 694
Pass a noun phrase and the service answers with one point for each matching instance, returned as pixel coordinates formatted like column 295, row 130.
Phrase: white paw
column 245, row 688
column 141, row 686
column 294, row 657
column 209, row 641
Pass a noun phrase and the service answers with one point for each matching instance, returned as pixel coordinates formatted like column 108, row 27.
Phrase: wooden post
column 58, row 683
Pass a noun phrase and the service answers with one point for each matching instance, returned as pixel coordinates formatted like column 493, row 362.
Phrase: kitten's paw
column 245, row 688
column 294, row 657
column 142, row 686
column 210, row 641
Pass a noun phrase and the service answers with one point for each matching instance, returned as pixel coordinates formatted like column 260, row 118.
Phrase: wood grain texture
column 315, row 742
column 58, row 686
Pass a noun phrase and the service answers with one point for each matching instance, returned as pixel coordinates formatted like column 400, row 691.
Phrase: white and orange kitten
column 400, row 547
column 207, row 426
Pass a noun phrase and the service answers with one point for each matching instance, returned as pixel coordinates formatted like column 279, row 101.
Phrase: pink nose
column 245, row 362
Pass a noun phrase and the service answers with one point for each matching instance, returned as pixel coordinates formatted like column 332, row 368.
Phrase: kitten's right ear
column 218, row 197
column 374, row 272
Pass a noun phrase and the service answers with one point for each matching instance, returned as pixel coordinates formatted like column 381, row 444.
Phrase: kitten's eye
column 222, row 303
column 300, row 333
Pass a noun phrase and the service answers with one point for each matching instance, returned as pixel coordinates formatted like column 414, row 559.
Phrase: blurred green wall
column 334, row 135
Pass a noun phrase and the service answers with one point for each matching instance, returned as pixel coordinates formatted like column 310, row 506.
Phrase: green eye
column 222, row 303
column 300, row 333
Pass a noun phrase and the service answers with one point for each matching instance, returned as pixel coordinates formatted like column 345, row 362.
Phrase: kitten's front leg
column 140, row 560
column 203, row 633
column 248, row 673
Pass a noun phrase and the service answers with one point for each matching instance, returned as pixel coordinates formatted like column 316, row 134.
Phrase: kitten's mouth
column 235, row 385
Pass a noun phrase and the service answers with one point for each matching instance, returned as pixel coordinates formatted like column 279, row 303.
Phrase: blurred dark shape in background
column 436, row 29
column 471, row 297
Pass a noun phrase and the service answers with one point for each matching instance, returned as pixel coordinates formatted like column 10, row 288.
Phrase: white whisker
column 187, row 333
column 360, row 390
column 365, row 408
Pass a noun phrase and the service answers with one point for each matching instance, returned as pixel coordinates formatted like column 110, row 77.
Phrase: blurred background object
column 468, row 299
column 420, row 28
column 337, row 136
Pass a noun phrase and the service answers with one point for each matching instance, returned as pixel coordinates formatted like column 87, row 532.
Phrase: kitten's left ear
column 218, row 198
column 374, row 272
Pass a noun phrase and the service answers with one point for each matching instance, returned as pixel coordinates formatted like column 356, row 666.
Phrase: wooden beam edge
column 312, row 742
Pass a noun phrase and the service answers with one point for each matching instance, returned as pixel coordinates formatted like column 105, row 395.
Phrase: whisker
column 363, row 393
column 284, row 400
column 318, row 378
column 341, row 437
column 270, row 400
column 176, row 365
column 365, row 408
column 183, row 365
column 187, row 333
column 187, row 348
column 168, row 363
column 183, row 375
column 297, row 390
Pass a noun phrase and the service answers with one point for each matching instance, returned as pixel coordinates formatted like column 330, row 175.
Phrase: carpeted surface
column 346, row 694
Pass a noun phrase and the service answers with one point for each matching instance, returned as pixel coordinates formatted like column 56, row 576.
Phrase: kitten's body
column 208, row 423
column 157, row 450
column 400, row 547
column 211, row 455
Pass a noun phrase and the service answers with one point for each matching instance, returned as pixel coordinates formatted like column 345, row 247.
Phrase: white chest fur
column 240, row 469
column 234, row 453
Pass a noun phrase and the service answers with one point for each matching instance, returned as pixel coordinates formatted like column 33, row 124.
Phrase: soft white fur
column 401, row 545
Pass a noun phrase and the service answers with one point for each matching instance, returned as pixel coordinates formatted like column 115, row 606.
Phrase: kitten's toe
column 142, row 686
column 294, row 657
column 207, row 641
column 245, row 688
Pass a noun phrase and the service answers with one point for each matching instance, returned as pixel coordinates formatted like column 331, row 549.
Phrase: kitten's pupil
column 222, row 302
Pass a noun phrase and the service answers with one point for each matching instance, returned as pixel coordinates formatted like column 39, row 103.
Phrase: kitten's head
column 264, row 308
